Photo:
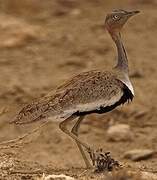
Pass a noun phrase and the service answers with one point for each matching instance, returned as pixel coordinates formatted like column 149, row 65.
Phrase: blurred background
column 43, row 43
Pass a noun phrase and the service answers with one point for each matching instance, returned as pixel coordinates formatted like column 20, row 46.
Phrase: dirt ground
column 43, row 43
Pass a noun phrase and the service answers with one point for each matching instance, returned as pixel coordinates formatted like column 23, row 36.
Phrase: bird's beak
column 132, row 13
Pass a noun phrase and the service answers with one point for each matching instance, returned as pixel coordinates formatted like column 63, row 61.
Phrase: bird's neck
column 122, row 62
column 121, row 69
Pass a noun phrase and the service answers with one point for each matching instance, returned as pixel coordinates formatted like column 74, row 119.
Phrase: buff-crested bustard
column 89, row 92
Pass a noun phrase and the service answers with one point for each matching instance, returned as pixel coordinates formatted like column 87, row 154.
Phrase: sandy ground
column 44, row 43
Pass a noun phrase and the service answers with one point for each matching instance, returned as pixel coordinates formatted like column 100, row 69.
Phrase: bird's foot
column 103, row 161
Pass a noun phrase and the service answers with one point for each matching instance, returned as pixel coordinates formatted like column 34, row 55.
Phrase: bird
column 94, row 91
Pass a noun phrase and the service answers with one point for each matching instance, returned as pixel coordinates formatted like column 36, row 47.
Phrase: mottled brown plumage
column 89, row 92
column 85, row 92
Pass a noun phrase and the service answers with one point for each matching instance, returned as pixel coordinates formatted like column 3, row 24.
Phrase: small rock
column 139, row 154
column 120, row 132
column 148, row 175
column 56, row 177
column 141, row 114
column 3, row 110
column 75, row 12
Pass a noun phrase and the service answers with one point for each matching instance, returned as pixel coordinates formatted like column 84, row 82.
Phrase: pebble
column 119, row 132
column 56, row 177
column 139, row 154
column 75, row 12
column 148, row 176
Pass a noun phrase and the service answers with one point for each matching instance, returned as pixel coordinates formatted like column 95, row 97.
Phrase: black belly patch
column 127, row 96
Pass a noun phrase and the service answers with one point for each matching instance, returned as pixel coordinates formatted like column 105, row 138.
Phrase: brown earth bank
column 43, row 43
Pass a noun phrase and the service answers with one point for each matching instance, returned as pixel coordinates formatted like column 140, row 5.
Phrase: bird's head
column 117, row 18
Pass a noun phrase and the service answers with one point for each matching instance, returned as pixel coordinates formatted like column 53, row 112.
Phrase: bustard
column 89, row 92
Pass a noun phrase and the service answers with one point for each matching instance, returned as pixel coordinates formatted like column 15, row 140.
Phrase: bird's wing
column 89, row 91
column 84, row 92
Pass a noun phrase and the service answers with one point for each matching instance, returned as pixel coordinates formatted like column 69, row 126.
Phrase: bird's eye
column 116, row 17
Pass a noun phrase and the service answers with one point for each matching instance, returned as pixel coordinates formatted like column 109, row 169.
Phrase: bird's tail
column 35, row 111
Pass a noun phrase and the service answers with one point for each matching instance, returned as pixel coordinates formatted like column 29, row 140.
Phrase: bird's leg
column 63, row 127
column 75, row 132
column 101, row 161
